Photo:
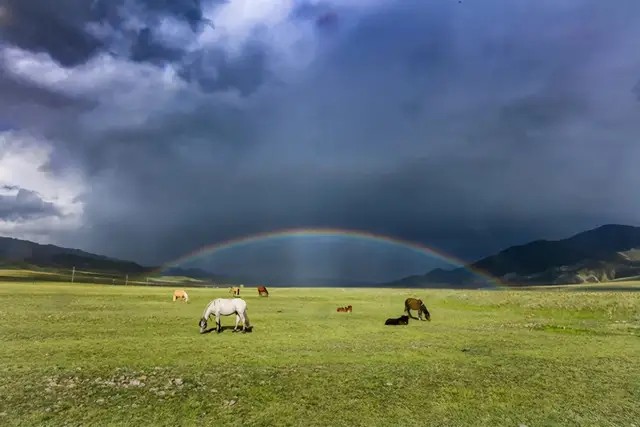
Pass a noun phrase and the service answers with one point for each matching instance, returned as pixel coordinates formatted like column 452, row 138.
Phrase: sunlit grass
column 101, row 355
column 175, row 279
column 22, row 273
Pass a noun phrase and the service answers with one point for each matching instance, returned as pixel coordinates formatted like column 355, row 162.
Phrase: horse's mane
column 204, row 313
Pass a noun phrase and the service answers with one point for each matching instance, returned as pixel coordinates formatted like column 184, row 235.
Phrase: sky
column 147, row 129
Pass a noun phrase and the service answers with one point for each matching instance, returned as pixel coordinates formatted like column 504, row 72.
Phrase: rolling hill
column 609, row 252
column 26, row 254
column 23, row 254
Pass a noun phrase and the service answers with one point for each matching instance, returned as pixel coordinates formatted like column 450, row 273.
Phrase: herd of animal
column 236, row 305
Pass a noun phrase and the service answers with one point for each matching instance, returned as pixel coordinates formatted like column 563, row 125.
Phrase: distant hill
column 605, row 253
column 25, row 254
column 205, row 275
column 16, row 253
column 317, row 282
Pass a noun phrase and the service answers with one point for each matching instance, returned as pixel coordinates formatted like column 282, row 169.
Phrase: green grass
column 32, row 274
column 101, row 355
column 175, row 279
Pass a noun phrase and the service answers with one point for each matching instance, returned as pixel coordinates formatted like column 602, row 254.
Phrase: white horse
column 225, row 307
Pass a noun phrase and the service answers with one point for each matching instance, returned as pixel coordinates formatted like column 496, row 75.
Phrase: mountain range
column 609, row 252
column 26, row 254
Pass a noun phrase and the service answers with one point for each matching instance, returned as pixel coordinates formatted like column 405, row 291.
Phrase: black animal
column 402, row 320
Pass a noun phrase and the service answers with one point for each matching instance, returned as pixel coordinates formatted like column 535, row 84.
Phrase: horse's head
column 426, row 313
column 203, row 325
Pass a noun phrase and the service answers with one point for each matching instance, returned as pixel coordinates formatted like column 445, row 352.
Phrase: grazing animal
column 235, row 291
column 347, row 309
column 416, row 304
column 262, row 291
column 402, row 320
column 225, row 307
column 180, row 294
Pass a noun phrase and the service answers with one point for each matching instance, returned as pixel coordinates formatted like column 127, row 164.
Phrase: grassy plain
column 113, row 355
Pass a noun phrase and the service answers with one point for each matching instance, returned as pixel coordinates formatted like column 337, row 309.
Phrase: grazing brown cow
column 262, row 291
column 180, row 294
column 235, row 291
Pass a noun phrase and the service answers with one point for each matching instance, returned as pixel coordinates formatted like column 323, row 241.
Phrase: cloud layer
column 465, row 126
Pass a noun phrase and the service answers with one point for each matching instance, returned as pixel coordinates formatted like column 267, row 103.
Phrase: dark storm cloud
column 24, row 205
column 66, row 29
column 18, row 94
column 246, row 74
column 636, row 90
column 145, row 48
column 467, row 127
column 52, row 27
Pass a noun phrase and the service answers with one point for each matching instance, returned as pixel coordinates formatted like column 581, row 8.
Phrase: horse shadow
column 226, row 328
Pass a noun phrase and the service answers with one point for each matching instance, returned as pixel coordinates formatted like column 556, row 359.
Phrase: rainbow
column 324, row 232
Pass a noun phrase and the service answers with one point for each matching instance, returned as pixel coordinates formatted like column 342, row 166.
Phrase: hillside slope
column 23, row 253
column 605, row 253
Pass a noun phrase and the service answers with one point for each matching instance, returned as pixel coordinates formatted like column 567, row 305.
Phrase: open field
column 93, row 277
column 113, row 355
column 612, row 286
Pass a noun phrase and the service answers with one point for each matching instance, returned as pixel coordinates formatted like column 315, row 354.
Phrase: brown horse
column 262, row 291
column 347, row 309
column 235, row 291
column 416, row 304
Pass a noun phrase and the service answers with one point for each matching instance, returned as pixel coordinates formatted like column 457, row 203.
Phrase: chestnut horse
column 262, row 291
column 416, row 304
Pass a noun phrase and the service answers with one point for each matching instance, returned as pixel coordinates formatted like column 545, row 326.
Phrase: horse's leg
column 218, row 327
column 235, row 329
column 244, row 322
column 409, row 312
column 407, row 309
